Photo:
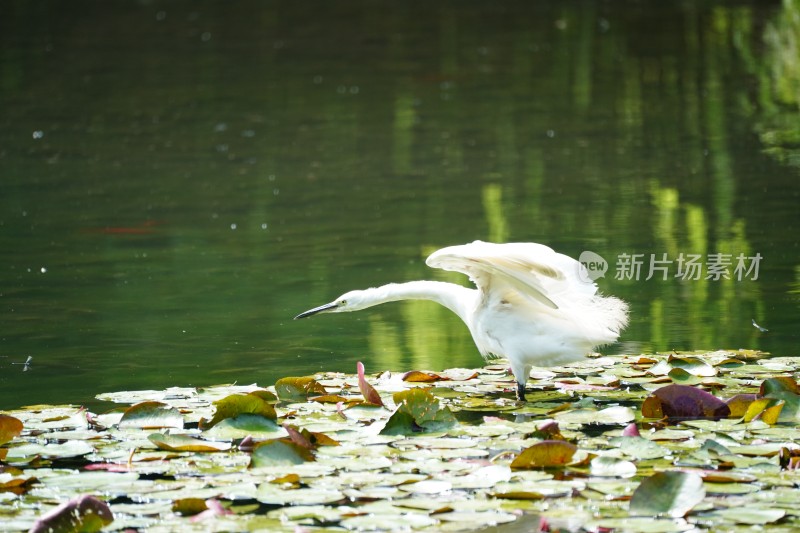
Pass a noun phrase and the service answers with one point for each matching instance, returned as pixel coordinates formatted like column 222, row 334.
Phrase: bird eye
column 342, row 302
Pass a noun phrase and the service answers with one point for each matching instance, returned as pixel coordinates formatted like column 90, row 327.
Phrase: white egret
column 532, row 305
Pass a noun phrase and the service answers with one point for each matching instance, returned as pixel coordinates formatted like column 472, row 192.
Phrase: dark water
column 179, row 179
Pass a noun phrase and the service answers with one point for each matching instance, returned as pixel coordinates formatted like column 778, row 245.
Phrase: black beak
column 320, row 309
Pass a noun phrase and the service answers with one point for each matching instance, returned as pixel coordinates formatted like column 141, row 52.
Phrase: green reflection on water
column 192, row 175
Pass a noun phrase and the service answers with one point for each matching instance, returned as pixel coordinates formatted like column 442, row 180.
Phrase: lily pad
column 639, row 447
column 278, row 452
column 10, row 427
column 242, row 404
column 610, row 467
column 683, row 377
column 276, row 495
column 298, row 388
column 151, row 415
column 750, row 515
column 417, row 411
column 186, row 443
column 548, row 453
column 416, row 376
column 680, row 402
column 242, row 425
column 84, row 514
column 671, row 493
column 693, row 365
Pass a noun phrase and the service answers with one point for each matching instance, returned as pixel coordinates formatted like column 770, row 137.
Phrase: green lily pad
column 84, row 514
column 276, row 495
column 185, row 443
column 244, row 425
column 151, row 415
column 640, row 525
column 639, row 447
column 242, row 404
column 693, row 365
column 750, row 515
column 417, row 411
column 378, row 521
column 298, row 388
column 189, row 506
column 610, row 415
column 278, row 452
column 610, row 467
column 548, row 453
column 671, row 494
column 64, row 450
column 683, row 377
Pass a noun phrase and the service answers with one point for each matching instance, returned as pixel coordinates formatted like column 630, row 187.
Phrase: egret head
column 349, row 301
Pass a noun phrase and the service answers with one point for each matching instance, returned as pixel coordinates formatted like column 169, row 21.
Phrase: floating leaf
column 10, row 428
column 329, row 398
column 713, row 447
column 671, row 493
column 310, row 440
column 272, row 494
column 278, row 452
column 684, row 402
column 151, row 415
column 243, row 425
column 290, row 479
column 84, row 514
column 779, row 386
column 784, row 389
column 683, row 377
column 611, row 415
column 427, row 486
column 693, row 365
column 16, row 485
column 189, row 506
column 651, row 408
column 640, row 525
column 64, row 450
column 608, row 466
column 371, row 396
column 298, row 388
column 739, row 404
column 264, row 394
column 417, row 410
column 639, row 447
column 750, row 515
column 767, row 410
column 185, row 443
column 416, row 376
column 242, row 404
column 548, row 453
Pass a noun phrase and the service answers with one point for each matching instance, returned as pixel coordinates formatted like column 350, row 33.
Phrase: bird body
column 532, row 305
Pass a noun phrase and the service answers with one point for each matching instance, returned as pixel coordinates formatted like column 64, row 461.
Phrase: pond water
column 179, row 179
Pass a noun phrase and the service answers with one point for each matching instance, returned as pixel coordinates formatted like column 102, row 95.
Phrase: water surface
column 179, row 179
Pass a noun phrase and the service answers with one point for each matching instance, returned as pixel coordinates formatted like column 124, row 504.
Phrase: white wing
column 535, row 271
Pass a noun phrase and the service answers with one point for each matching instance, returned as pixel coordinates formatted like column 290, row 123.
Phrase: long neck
column 458, row 299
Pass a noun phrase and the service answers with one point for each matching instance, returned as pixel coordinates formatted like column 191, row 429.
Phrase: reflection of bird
column 532, row 305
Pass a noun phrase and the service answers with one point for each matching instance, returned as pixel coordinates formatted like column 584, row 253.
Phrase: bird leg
column 520, row 392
